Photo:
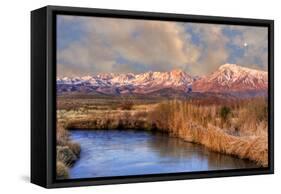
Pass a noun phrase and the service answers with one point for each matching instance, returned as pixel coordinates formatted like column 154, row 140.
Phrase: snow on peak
column 240, row 69
column 142, row 82
column 230, row 77
column 229, row 65
column 177, row 72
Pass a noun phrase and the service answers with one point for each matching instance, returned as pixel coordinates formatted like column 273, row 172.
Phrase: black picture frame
column 43, row 95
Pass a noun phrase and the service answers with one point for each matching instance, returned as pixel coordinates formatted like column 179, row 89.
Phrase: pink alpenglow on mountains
column 227, row 78
column 232, row 78
column 127, row 83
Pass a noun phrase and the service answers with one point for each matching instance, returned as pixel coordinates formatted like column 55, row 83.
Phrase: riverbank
column 68, row 151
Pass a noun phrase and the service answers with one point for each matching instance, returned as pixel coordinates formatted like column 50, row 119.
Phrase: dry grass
column 120, row 120
column 67, row 151
column 62, row 170
column 74, row 147
column 243, row 133
column 66, row 155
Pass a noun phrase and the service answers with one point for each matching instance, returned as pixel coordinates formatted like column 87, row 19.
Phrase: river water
column 130, row 152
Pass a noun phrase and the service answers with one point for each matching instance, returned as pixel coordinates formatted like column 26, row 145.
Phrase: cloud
column 213, row 51
column 156, row 45
column 126, row 45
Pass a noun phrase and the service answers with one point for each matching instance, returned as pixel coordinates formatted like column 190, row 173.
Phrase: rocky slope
column 232, row 78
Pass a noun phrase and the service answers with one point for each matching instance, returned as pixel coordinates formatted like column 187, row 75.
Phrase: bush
column 127, row 103
column 224, row 113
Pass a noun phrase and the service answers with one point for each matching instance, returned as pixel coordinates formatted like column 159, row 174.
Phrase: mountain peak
column 232, row 77
column 237, row 68
column 229, row 66
column 177, row 71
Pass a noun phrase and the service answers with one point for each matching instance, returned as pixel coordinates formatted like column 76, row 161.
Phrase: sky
column 93, row 45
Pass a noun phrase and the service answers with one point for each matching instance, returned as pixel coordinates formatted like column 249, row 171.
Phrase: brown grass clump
column 62, row 134
column 62, row 170
column 253, row 117
column 66, row 155
column 249, row 147
column 74, row 147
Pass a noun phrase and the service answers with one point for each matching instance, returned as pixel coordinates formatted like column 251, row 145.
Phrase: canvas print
column 143, row 97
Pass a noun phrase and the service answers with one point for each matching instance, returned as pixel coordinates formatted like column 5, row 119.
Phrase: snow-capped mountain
column 126, row 83
column 228, row 78
column 232, row 78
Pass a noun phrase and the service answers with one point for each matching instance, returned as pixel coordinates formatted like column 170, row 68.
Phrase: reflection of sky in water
column 119, row 153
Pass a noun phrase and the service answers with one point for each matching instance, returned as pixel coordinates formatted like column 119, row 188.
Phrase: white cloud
column 157, row 45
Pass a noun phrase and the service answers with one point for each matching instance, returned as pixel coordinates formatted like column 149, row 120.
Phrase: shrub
column 224, row 113
column 127, row 103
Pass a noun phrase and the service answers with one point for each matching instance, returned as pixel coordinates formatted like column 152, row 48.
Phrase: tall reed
column 240, row 129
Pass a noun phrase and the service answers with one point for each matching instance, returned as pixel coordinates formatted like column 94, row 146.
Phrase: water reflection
column 176, row 148
column 130, row 152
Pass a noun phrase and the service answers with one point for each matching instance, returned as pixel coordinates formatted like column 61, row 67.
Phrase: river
column 130, row 152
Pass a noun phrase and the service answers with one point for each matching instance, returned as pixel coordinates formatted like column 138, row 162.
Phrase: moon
column 245, row 44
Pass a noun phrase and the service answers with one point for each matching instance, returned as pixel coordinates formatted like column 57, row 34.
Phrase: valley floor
column 238, row 128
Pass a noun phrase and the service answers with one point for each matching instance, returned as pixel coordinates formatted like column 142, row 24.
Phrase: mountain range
column 228, row 78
